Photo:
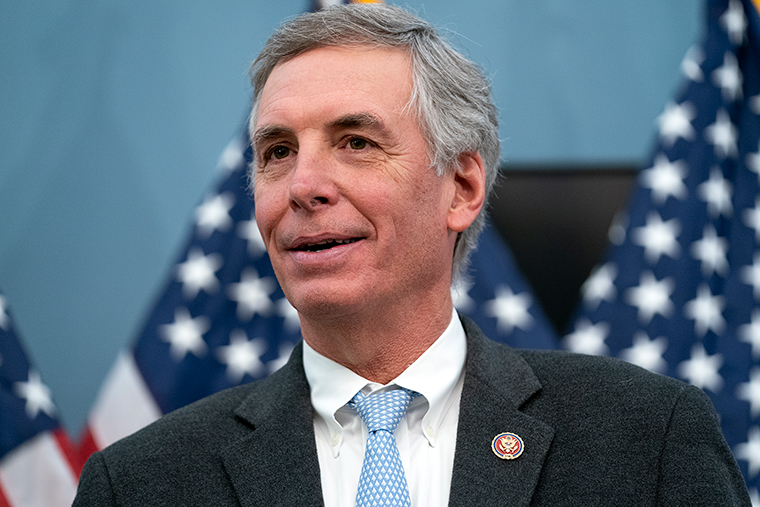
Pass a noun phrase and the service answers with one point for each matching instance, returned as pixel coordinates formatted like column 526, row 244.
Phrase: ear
column 469, row 191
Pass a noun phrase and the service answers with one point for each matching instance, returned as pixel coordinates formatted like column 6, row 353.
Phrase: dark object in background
column 555, row 220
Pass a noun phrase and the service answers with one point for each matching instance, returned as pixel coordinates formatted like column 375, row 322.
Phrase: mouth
column 319, row 246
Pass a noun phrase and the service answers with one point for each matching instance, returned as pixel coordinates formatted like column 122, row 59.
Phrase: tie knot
column 382, row 411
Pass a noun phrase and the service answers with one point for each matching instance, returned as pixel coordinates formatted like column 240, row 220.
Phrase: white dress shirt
column 426, row 436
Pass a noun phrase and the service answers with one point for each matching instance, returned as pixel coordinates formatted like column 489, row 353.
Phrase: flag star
column 749, row 451
column 284, row 354
column 647, row 353
column 4, row 318
column 752, row 219
column 249, row 231
column 702, row 370
column 729, row 77
column 36, row 394
column 753, row 162
column 658, row 237
column 750, row 392
column 197, row 273
column 707, row 311
column 510, row 310
column 675, row 122
column 252, row 294
column 600, row 285
column 214, row 214
column 722, row 134
column 460, row 296
column 290, row 314
column 185, row 334
column 734, row 22
column 242, row 356
column 665, row 178
column 750, row 333
column 716, row 192
column 751, row 275
column 588, row 338
column 651, row 297
column 232, row 157
column 754, row 104
column 712, row 251
column 691, row 65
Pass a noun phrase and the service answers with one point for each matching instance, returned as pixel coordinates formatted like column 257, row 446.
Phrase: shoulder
column 616, row 402
column 191, row 444
column 581, row 389
column 180, row 448
column 610, row 387
column 207, row 425
column 565, row 377
column 578, row 371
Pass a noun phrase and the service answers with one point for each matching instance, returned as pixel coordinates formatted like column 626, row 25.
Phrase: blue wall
column 113, row 114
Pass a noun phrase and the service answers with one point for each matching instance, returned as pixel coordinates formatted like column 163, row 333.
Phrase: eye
column 280, row 152
column 357, row 143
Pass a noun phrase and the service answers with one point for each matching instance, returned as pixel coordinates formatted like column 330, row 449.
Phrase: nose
column 312, row 184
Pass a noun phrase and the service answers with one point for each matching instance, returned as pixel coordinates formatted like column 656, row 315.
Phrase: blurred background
column 113, row 116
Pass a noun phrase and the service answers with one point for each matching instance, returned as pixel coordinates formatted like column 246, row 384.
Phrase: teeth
column 327, row 242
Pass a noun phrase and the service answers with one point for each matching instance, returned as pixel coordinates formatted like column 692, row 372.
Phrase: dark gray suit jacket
column 596, row 432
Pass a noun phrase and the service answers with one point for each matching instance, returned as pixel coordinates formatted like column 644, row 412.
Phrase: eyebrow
column 268, row 132
column 361, row 120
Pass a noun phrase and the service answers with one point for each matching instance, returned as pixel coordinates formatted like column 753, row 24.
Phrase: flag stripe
column 123, row 406
column 87, row 444
column 3, row 500
column 69, row 451
column 37, row 474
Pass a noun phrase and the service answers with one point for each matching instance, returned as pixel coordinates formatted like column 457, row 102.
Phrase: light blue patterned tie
column 382, row 481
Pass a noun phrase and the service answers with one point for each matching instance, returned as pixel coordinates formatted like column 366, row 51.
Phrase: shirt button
column 335, row 440
column 429, row 431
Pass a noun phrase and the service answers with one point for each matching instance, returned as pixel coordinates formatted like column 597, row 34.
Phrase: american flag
column 38, row 465
column 679, row 293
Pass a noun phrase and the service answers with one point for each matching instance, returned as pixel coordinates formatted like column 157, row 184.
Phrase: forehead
column 335, row 80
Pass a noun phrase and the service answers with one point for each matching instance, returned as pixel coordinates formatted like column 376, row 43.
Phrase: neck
column 380, row 346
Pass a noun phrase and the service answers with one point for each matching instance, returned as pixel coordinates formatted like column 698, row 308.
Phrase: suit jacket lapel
column 276, row 463
column 497, row 383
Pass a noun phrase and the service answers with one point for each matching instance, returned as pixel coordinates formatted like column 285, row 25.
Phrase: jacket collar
column 277, row 464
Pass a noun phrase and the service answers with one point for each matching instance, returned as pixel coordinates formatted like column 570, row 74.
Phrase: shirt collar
column 434, row 375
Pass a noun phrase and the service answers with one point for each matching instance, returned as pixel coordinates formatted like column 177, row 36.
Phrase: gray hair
column 450, row 95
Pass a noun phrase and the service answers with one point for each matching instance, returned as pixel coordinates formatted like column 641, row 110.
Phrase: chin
column 321, row 302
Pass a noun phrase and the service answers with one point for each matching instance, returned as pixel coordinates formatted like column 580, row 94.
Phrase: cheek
column 267, row 211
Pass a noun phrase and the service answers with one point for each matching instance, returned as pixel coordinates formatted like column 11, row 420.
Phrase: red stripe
column 87, row 444
column 3, row 500
column 71, row 453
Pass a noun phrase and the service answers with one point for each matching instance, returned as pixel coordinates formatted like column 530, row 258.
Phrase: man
column 375, row 149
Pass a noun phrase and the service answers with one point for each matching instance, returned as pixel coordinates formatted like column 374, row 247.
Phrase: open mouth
column 325, row 245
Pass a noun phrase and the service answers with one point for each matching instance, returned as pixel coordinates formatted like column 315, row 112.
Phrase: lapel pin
column 507, row 446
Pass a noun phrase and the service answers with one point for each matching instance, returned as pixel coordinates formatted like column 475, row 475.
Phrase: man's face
column 353, row 217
